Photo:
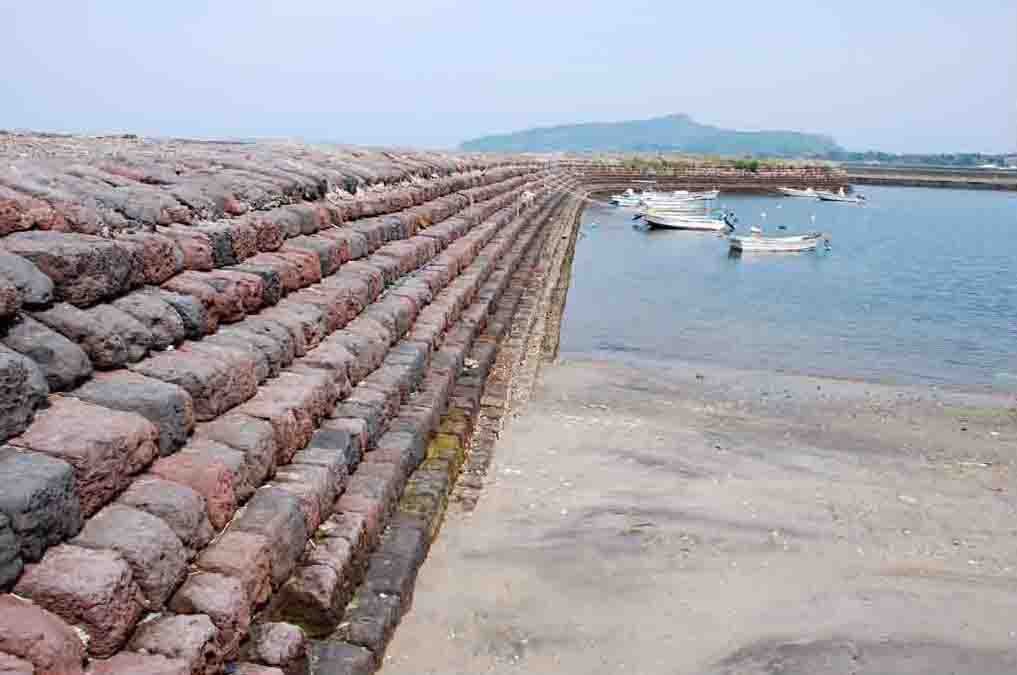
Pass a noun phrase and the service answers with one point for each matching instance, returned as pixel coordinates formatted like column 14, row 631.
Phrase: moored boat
column 756, row 242
column 807, row 193
column 827, row 196
column 685, row 221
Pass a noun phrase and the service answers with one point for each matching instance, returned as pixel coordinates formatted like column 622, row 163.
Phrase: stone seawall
column 602, row 180
column 238, row 382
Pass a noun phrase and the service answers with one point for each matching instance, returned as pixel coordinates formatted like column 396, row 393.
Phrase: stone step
column 64, row 338
column 197, row 381
column 227, row 587
column 316, row 594
column 358, row 645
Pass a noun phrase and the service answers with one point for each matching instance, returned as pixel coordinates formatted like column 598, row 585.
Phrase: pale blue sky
column 898, row 75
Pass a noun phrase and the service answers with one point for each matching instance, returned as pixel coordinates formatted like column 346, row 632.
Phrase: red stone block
column 209, row 477
column 313, row 486
column 277, row 515
column 278, row 644
column 253, row 437
column 32, row 634
column 305, row 322
column 223, row 599
column 333, row 304
column 178, row 505
column 105, row 447
column 221, row 297
column 130, row 663
column 288, row 270
column 367, row 273
column 269, row 235
column 195, row 246
column 355, row 292
column 334, row 358
column 93, row 590
column 215, row 386
column 19, row 211
column 328, row 252
column 249, row 287
column 161, row 256
column 373, row 510
column 189, row 637
column 245, row 556
column 307, row 262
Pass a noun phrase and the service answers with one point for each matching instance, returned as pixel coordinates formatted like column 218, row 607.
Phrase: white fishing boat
column 678, row 197
column 683, row 221
column 841, row 196
column 628, row 198
column 807, row 193
column 756, row 242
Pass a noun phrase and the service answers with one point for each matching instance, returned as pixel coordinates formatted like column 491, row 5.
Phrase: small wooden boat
column 807, row 193
column 756, row 242
column 827, row 196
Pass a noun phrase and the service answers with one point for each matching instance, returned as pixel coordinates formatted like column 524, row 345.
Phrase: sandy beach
column 688, row 519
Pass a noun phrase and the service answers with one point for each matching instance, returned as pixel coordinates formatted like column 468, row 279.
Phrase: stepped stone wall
column 225, row 376
column 241, row 383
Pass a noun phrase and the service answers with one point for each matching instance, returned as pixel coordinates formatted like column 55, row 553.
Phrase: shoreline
column 633, row 521
column 674, row 364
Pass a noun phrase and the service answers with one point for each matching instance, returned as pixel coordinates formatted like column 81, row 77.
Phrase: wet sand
column 645, row 519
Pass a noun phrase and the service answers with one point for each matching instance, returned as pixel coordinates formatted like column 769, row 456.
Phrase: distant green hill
column 674, row 133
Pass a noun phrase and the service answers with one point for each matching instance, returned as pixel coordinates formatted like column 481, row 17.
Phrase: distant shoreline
column 938, row 177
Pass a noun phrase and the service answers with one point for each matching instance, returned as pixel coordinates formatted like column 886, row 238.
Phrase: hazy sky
column 897, row 75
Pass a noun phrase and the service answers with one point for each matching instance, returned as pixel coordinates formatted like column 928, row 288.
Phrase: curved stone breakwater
column 237, row 384
column 604, row 179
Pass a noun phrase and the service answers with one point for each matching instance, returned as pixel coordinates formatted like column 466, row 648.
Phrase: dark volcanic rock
column 157, row 315
column 62, row 362
column 22, row 389
column 37, row 494
column 10, row 299
column 135, row 335
column 84, row 269
column 166, row 405
column 155, row 554
column 34, row 287
column 10, row 555
column 191, row 311
column 181, row 507
column 101, row 342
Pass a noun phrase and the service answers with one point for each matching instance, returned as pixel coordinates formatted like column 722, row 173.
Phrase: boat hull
column 793, row 244
column 663, row 222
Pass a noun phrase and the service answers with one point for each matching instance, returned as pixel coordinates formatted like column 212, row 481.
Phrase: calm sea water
column 920, row 287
